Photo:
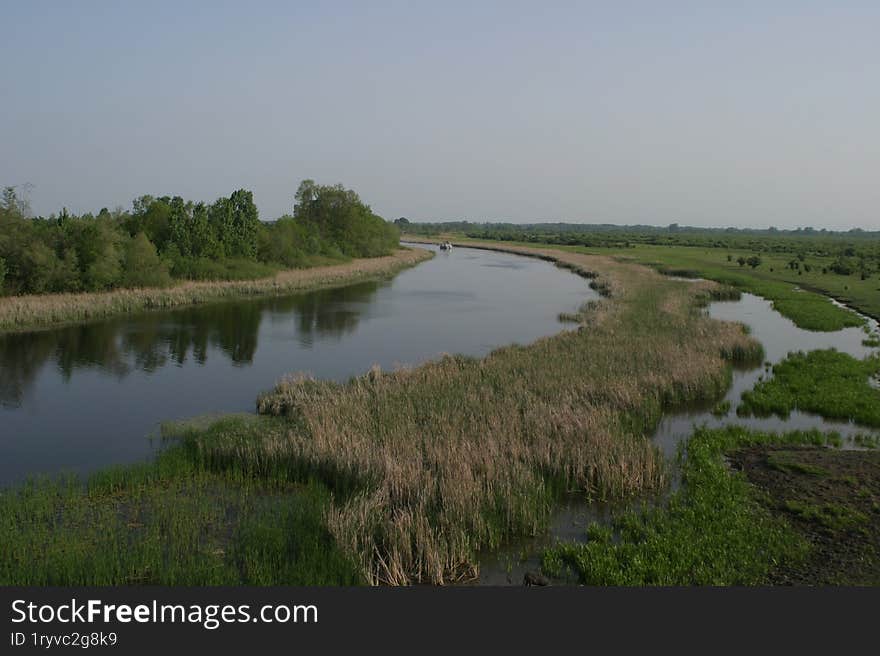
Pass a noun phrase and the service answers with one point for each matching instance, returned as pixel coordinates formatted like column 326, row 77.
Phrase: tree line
column 162, row 239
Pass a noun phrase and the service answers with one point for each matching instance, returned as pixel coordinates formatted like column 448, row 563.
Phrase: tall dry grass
column 44, row 310
column 433, row 464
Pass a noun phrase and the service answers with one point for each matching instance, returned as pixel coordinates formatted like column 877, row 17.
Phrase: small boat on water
column 445, row 246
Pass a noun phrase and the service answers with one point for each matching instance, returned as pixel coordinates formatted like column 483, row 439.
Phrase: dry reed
column 433, row 464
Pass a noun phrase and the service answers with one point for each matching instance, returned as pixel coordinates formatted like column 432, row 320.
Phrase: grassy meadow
column 398, row 477
column 801, row 295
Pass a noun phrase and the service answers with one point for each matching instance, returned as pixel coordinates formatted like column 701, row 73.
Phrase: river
column 80, row 398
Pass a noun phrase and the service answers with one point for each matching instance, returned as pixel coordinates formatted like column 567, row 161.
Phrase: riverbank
column 20, row 313
column 756, row 508
column 414, row 471
column 804, row 298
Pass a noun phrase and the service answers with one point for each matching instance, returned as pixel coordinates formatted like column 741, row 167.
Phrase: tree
column 180, row 226
column 345, row 225
column 245, row 223
column 741, row 260
column 754, row 261
column 220, row 219
column 2, row 274
column 151, row 216
column 143, row 266
column 203, row 238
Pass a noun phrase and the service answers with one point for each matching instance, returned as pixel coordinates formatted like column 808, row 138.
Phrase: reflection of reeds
column 459, row 454
column 41, row 310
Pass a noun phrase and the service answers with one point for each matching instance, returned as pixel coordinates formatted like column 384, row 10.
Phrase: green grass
column 721, row 408
column 426, row 466
column 786, row 462
column 800, row 297
column 177, row 521
column 833, row 516
column 829, row 383
column 791, row 295
column 715, row 530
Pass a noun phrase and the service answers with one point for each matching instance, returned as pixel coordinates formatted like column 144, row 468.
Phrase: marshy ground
column 832, row 499
column 405, row 476
column 421, row 468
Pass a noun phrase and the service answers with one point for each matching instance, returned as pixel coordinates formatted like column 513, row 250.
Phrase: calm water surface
column 84, row 397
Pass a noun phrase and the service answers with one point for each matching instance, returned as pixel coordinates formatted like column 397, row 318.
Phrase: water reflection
column 83, row 397
column 151, row 341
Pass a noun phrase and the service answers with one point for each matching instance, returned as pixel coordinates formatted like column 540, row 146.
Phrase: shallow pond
column 84, row 397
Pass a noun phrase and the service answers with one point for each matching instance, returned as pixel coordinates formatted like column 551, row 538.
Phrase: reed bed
column 424, row 467
column 36, row 311
column 461, row 454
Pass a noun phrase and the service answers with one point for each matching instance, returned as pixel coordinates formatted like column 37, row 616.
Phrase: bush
column 143, row 266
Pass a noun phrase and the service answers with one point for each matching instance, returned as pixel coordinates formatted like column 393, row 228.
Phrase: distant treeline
column 858, row 245
column 166, row 238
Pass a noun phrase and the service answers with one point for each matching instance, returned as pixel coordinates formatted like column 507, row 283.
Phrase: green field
column 790, row 290
column 799, row 296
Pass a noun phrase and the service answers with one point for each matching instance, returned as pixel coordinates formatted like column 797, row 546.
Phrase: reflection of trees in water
column 151, row 341
column 329, row 312
column 21, row 358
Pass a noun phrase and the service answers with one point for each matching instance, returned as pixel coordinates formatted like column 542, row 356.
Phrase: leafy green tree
column 36, row 268
column 242, row 241
column 203, row 238
column 153, row 217
column 180, row 226
column 143, row 266
column 754, row 261
column 220, row 219
column 344, row 223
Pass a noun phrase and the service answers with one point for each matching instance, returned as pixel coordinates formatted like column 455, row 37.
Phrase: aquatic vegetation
column 170, row 522
column 832, row 384
column 721, row 408
column 42, row 310
column 462, row 454
column 715, row 530
column 427, row 466
column 866, row 440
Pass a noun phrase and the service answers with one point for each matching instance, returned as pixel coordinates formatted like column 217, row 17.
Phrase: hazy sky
column 701, row 113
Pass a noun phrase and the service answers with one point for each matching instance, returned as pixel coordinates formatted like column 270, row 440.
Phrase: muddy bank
column 832, row 498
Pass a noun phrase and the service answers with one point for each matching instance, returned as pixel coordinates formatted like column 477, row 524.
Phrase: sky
column 747, row 114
